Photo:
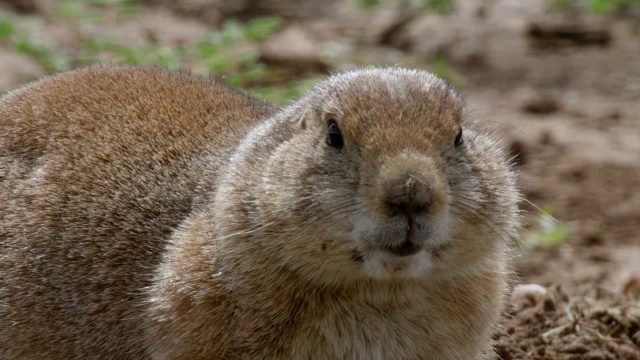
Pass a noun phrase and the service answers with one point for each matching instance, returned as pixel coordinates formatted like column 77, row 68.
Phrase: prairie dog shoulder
column 170, row 217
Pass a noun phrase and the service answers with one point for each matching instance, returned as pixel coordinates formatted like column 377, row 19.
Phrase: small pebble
column 526, row 295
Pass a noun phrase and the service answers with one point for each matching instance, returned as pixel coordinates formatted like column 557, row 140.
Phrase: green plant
column 6, row 28
column 95, row 10
column 599, row 7
column 289, row 91
column 546, row 232
column 232, row 51
column 146, row 54
column 19, row 36
column 41, row 53
column 607, row 6
column 443, row 68
column 442, row 7
column 368, row 4
column 259, row 29
column 550, row 231
column 229, row 53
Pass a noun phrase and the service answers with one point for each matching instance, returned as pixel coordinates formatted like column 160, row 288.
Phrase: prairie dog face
column 382, row 179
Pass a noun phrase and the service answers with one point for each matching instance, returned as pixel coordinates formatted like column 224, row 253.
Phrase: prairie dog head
column 373, row 174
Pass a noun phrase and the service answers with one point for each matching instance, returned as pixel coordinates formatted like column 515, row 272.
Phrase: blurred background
column 558, row 80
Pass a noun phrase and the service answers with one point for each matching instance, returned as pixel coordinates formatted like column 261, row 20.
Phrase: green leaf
column 6, row 28
column 233, row 30
column 207, row 49
column 562, row 5
column 234, row 79
column 70, row 8
column 552, row 232
column 248, row 56
column 255, row 71
column 603, row 6
column 442, row 7
column 43, row 55
column 368, row 4
column 443, row 68
column 259, row 29
column 218, row 65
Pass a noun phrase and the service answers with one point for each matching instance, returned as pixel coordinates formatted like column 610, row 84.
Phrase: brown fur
column 146, row 214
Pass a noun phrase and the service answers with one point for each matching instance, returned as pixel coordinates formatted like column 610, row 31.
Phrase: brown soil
column 563, row 89
column 595, row 326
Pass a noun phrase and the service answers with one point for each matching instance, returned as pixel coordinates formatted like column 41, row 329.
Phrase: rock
column 563, row 35
column 294, row 47
column 527, row 295
column 29, row 6
column 534, row 102
column 213, row 12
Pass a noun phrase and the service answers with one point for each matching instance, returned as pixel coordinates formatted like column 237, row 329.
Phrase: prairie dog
column 156, row 215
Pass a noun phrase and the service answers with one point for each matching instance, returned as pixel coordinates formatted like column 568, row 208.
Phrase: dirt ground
column 561, row 88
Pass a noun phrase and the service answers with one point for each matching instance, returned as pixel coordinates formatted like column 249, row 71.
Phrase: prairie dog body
column 152, row 215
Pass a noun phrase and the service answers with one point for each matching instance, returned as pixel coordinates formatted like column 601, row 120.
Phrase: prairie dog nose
column 411, row 185
column 406, row 196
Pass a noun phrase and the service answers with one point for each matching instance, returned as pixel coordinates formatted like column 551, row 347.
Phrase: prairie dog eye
column 459, row 140
column 334, row 136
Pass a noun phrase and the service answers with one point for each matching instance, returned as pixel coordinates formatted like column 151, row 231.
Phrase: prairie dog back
column 97, row 167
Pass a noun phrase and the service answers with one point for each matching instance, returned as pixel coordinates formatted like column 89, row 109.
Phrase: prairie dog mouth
column 383, row 265
column 397, row 250
column 405, row 260
column 408, row 247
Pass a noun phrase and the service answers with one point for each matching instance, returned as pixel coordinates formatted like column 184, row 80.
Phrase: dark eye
column 459, row 140
column 334, row 136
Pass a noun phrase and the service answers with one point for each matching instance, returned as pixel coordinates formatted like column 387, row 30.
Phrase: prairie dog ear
column 303, row 120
